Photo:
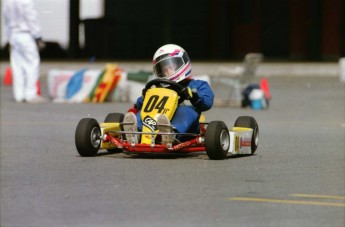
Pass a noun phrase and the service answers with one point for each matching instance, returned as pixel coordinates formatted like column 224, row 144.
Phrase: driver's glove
column 187, row 93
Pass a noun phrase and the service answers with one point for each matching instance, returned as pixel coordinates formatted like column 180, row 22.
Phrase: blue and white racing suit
column 186, row 117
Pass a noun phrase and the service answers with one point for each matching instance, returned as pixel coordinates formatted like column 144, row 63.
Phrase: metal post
column 74, row 28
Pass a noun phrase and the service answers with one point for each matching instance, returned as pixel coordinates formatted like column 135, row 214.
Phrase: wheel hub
column 225, row 140
column 95, row 137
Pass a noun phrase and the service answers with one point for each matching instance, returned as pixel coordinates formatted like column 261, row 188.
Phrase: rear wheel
column 217, row 140
column 116, row 118
column 249, row 122
column 88, row 137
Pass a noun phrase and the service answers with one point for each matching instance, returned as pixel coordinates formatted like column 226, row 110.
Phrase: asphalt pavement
column 296, row 177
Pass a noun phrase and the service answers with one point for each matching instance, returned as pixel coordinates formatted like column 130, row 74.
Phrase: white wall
column 54, row 18
column 91, row 9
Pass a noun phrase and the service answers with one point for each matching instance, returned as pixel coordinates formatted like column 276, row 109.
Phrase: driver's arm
column 203, row 96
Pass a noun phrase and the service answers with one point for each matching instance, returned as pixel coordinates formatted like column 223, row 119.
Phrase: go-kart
column 162, row 97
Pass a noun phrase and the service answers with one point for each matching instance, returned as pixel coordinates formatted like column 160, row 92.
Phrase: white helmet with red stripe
column 172, row 62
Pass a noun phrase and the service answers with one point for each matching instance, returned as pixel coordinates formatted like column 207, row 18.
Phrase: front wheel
column 249, row 122
column 217, row 140
column 88, row 137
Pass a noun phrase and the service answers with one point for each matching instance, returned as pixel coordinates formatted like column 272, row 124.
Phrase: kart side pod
column 244, row 136
column 241, row 139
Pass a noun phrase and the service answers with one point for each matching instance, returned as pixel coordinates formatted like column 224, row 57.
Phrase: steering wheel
column 172, row 85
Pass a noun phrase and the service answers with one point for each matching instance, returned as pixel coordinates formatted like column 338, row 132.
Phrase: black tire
column 117, row 118
column 114, row 117
column 87, row 137
column 217, row 140
column 249, row 122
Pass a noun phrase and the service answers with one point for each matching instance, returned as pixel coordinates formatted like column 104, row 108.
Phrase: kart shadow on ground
column 198, row 155
column 234, row 156
column 202, row 156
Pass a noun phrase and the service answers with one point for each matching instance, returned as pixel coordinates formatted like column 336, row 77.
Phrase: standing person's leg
column 17, row 59
column 31, row 66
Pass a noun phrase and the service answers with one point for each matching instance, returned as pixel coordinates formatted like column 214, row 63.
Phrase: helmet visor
column 168, row 66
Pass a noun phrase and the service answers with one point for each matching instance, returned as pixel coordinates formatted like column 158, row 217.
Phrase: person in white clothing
column 25, row 39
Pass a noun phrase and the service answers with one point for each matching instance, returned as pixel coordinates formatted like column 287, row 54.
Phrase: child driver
column 171, row 62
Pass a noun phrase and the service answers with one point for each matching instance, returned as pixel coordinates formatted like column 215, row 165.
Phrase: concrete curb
column 210, row 68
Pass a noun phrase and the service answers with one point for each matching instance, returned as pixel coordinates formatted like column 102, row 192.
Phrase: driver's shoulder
column 197, row 82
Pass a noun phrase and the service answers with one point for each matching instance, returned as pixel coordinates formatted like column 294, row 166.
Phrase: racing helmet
column 172, row 62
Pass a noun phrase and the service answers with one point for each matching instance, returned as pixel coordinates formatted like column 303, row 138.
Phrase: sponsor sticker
column 237, row 143
column 245, row 142
column 150, row 123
